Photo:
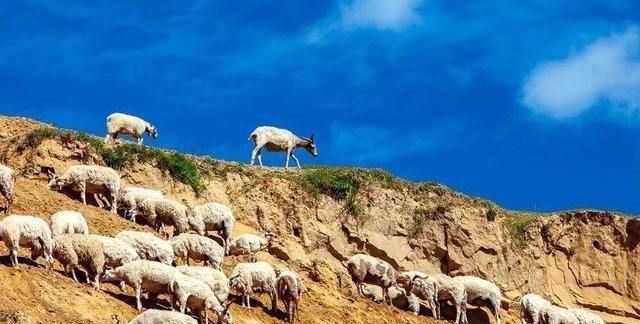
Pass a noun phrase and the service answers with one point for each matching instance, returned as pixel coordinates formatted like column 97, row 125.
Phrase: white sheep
column 158, row 212
column 199, row 297
column 123, row 124
column 480, row 289
column 439, row 287
column 552, row 314
column 156, row 316
column 398, row 296
column 116, row 251
column 26, row 231
column 257, row 277
column 89, row 178
column 531, row 306
column 585, row 317
column 68, row 222
column 213, row 217
column 130, row 199
column 153, row 277
column 148, row 246
column 290, row 288
column 364, row 268
column 279, row 140
column 73, row 250
column 216, row 279
column 248, row 244
column 201, row 248
column 7, row 181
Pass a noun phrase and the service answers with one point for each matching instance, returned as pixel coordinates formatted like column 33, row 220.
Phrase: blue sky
column 533, row 104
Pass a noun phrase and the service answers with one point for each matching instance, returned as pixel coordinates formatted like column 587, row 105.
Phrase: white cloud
column 607, row 71
column 380, row 14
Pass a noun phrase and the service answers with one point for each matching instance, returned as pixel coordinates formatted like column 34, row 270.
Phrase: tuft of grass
column 34, row 138
column 517, row 227
column 182, row 169
column 491, row 214
column 221, row 169
column 332, row 182
column 420, row 220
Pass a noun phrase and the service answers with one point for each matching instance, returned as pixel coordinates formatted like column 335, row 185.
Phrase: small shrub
column 517, row 227
column 491, row 215
column 420, row 219
column 36, row 137
column 354, row 208
column 333, row 182
column 182, row 169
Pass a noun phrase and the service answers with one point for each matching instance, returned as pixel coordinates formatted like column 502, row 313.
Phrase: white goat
column 364, row 268
column 213, row 217
column 118, row 123
column 7, row 181
column 89, row 178
column 531, row 306
column 279, row 140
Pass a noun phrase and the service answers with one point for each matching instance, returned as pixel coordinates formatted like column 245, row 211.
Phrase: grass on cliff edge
column 179, row 167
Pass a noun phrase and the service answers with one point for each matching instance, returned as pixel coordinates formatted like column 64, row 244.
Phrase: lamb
column 290, row 288
column 148, row 246
column 367, row 269
column 26, row 231
column 156, row 316
column 130, row 199
column 480, row 289
column 158, row 212
column 7, row 181
column 279, row 140
column 398, row 295
column 442, row 287
column 249, row 244
column 216, row 279
column 198, row 296
column 153, row 277
column 213, row 217
column 201, row 248
column 68, row 222
column 118, row 123
column 257, row 277
column 73, row 250
column 89, row 178
column 531, row 306
column 552, row 314
column 585, row 317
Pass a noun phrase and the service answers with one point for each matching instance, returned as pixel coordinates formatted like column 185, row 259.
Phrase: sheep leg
column 13, row 256
column 496, row 309
column 274, row 301
column 140, row 140
column 296, row 159
column 260, row 158
column 286, row 165
column 138, row 292
column 83, row 193
column 248, row 300
column 73, row 273
column 122, row 286
column 256, row 151
column 457, row 314
column 96, row 281
column 113, row 201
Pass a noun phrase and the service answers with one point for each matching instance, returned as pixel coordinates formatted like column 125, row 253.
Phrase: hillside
column 320, row 217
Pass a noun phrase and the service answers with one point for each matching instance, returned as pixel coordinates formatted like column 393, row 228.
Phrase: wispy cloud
column 380, row 14
column 607, row 71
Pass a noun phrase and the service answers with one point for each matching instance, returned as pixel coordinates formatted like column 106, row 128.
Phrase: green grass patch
column 517, row 227
column 491, row 214
column 421, row 217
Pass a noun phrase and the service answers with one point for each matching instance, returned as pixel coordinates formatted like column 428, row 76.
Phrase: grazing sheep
column 552, row 314
column 585, row 317
column 249, row 244
column 148, row 246
column 398, row 295
column 89, row 178
column 123, row 124
column 531, row 306
column 216, row 279
column 68, row 222
column 156, row 316
column 200, row 248
column 7, row 181
column 364, row 268
column 279, row 140
column 26, row 231
column 158, row 212
column 199, row 297
column 130, row 199
column 480, row 289
column 258, row 277
column 116, row 251
column 153, row 277
column 439, row 287
column 290, row 288
column 73, row 250
column 213, row 217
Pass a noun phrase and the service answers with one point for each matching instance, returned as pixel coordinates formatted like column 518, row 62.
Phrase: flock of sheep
column 146, row 263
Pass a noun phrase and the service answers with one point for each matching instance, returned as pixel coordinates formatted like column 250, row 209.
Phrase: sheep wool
column 26, row 231
column 130, row 199
column 213, row 217
column 68, row 222
column 158, row 212
column 94, row 179
column 216, row 279
column 364, row 268
column 477, row 288
column 257, row 277
column 73, row 250
column 148, row 246
column 123, row 124
column 197, row 295
column 156, row 316
column 200, row 248
column 7, row 181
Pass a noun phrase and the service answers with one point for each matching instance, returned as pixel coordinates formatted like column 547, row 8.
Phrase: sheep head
column 311, row 146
